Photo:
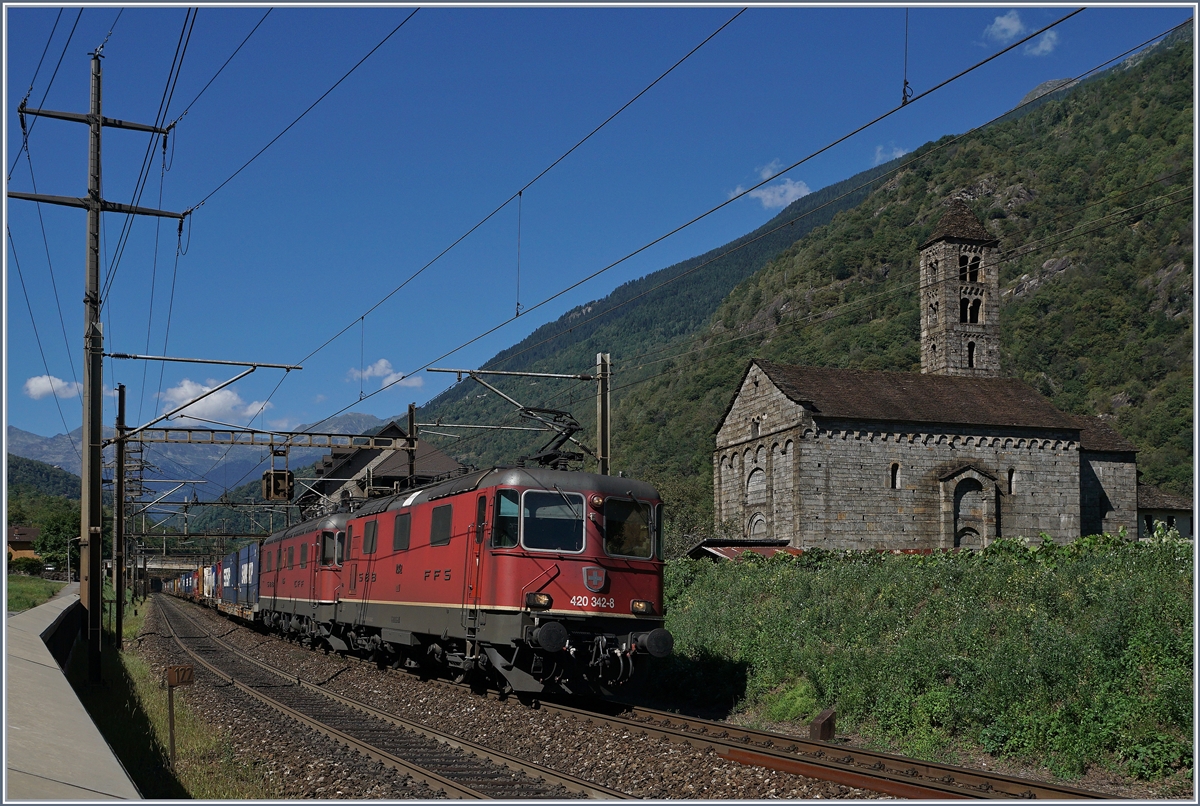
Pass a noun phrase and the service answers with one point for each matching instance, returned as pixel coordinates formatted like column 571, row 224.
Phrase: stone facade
column 784, row 471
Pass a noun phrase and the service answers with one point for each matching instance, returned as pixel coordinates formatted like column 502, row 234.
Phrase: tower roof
column 959, row 222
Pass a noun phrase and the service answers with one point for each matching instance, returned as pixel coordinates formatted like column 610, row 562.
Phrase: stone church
column 953, row 456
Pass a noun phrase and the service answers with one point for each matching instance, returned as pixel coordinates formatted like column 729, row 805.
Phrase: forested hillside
column 1090, row 196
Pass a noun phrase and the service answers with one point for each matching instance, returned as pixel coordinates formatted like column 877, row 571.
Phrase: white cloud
column 883, row 154
column 779, row 195
column 41, row 386
column 383, row 369
column 770, row 169
column 284, row 424
column 1043, row 44
column 225, row 405
column 1005, row 28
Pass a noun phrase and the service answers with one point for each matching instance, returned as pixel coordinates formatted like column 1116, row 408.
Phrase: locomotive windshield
column 552, row 521
column 627, row 528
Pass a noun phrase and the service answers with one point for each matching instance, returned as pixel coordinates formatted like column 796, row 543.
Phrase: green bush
column 31, row 566
column 1071, row 656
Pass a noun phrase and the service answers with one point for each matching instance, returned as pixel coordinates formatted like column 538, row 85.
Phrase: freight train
column 531, row 579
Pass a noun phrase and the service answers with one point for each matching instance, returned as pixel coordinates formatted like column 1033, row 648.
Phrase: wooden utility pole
column 91, row 576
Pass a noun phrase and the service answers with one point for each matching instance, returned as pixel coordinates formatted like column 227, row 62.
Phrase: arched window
column 970, row 354
column 962, row 268
column 754, row 429
column 895, row 476
column 933, row 310
column 964, row 306
column 973, row 273
column 1012, row 481
column 975, row 306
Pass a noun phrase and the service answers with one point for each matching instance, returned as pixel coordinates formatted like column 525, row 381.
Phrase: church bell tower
column 960, row 297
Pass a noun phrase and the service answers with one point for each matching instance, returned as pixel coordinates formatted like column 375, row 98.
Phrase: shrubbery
column 1071, row 655
column 26, row 565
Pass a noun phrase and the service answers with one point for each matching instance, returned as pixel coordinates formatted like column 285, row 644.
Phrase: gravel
column 657, row 768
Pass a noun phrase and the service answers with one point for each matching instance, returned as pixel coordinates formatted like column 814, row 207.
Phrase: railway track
column 879, row 772
column 457, row 767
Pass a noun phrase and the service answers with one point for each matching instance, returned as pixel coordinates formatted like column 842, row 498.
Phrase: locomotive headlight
column 538, row 601
column 640, row 607
column 597, row 501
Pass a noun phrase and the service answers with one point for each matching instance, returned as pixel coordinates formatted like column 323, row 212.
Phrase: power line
column 902, row 167
column 185, row 36
column 33, row 321
column 53, row 75
column 50, row 264
column 525, row 187
column 709, row 212
column 222, row 67
column 305, row 112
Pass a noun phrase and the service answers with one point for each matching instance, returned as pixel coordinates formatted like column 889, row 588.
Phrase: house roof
column 961, row 223
column 909, row 397
column 1154, row 498
column 724, row 549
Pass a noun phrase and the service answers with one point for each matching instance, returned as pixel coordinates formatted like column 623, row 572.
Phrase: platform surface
column 53, row 750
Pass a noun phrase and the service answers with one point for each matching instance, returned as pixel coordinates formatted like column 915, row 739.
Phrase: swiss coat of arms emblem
column 594, row 578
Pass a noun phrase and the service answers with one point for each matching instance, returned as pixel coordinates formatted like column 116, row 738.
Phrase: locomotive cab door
column 473, row 577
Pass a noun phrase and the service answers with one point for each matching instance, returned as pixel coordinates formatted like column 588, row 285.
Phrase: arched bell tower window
column 964, row 307
column 970, row 354
column 895, row 476
column 962, row 268
column 933, row 314
column 975, row 306
column 973, row 272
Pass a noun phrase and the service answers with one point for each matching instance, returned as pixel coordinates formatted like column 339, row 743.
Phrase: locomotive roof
column 538, row 477
column 333, row 521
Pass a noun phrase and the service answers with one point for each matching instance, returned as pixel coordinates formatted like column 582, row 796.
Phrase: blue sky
column 457, row 111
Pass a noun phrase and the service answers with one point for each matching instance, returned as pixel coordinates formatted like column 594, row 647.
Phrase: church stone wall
column 830, row 485
column 1108, row 493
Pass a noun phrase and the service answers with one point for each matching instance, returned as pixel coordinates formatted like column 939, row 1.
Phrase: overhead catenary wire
column 192, row 103
column 50, row 266
column 301, row 116
column 525, row 187
column 27, row 132
column 185, row 37
column 877, row 179
column 707, row 213
column 38, row 339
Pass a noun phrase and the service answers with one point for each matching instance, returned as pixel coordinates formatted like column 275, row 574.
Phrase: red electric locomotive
column 537, row 578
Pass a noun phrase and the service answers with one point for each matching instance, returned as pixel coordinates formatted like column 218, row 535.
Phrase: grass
column 1071, row 657
column 131, row 710
column 25, row 592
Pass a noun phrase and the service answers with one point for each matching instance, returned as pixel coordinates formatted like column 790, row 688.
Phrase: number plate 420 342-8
column 602, row 602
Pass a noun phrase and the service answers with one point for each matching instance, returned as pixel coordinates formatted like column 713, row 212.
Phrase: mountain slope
column 1090, row 196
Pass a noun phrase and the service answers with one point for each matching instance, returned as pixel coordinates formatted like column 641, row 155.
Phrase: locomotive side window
column 553, row 521
column 439, row 526
column 291, row 557
column 400, row 535
column 327, row 550
column 349, row 540
column 627, row 528
column 369, row 537
column 339, row 545
column 508, row 514
column 304, row 555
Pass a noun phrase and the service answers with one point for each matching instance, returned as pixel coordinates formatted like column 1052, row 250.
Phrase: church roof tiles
column 959, row 222
column 914, row 398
